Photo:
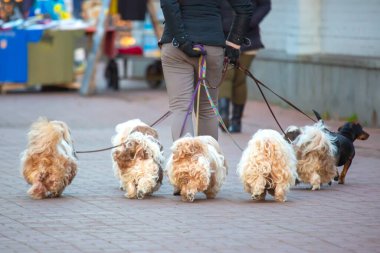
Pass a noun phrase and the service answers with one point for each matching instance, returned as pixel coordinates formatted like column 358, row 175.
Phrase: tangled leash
column 202, row 82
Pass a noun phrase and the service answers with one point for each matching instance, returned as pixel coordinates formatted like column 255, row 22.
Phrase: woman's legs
column 208, row 121
column 180, row 78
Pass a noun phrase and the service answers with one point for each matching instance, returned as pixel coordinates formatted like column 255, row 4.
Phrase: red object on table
column 134, row 50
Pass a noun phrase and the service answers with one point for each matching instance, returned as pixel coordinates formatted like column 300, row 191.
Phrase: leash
column 160, row 119
column 216, row 111
column 203, row 82
column 201, row 79
column 259, row 84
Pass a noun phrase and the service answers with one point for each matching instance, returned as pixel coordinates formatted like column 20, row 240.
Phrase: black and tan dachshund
column 344, row 142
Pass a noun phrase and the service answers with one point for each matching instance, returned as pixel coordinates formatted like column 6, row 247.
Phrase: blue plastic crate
column 14, row 54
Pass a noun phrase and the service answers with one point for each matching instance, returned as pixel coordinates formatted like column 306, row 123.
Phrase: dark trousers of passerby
column 234, row 90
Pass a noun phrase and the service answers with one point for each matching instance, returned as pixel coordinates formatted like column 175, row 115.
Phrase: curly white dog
column 138, row 162
column 196, row 165
column 268, row 164
column 315, row 153
column 49, row 163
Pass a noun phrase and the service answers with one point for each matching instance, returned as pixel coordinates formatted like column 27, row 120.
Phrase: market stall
column 48, row 42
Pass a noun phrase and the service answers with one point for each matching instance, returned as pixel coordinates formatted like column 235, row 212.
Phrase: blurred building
column 324, row 55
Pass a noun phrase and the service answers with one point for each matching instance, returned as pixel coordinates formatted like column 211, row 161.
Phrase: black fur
column 344, row 141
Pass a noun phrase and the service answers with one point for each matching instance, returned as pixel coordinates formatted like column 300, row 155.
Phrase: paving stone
column 94, row 216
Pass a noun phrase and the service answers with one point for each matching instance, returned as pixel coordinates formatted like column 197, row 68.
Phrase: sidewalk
column 93, row 216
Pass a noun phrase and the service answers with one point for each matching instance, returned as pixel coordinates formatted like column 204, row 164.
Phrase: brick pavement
column 93, row 215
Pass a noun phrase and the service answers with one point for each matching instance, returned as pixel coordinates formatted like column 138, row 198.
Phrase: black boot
column 237, row 113
column 224, row 111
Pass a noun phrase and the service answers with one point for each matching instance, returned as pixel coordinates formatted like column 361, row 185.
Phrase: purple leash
column 201, row 79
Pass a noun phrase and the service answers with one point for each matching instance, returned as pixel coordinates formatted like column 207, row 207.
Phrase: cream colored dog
column 196, row 165
column 315, row 153
column 138, row 162
column 49, row 163
column 267, row 164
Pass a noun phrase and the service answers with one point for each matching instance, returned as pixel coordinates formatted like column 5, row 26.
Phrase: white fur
column 138, row 176
column 267, row 164
column 316, row 154
column 49, row 163
column 191, row 170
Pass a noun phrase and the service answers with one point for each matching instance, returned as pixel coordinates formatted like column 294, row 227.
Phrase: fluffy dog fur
column 315, row 154
column 49, row 163
column 268, row 164
column 139, row 161
column 196, row 165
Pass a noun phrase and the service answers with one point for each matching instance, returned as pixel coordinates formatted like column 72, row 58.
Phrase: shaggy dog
column 49, row 163
column 138, row 161
column 196, row 165
column 315, row 154
column 268, row 164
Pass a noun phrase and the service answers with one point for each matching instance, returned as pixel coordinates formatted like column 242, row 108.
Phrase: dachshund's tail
column 317, row 115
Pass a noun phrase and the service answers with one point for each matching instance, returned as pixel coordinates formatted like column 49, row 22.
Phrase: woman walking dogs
column 198, row 22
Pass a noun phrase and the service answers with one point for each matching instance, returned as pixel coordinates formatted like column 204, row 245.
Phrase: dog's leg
column 336, row 178
column 145, row 186
column 258, row 187
column 279, row 193
column 211, row 193
column 345, row 169
column 56, row 194
column 122, row 186
column 262, row 196
column 213, row 188
column 131, row 191
column 187, row 194
column 315, row 181
column 37, row 191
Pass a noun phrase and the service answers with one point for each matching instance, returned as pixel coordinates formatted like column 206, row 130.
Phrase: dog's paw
column 140, row 194
column 280, row 199
column 188, row 197
column 256, row 196
column 341, row 181
column 129, row 196
column 316, row 187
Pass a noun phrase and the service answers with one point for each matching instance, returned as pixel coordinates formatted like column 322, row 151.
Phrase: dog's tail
column 317, row 115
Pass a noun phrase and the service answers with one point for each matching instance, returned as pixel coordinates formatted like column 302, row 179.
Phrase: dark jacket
column 260, row 10
column 200, row 21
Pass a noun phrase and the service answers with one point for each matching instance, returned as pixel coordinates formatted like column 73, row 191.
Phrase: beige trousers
column 181, row 76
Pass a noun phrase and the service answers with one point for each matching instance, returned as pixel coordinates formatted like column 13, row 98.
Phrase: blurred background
column 320, row 54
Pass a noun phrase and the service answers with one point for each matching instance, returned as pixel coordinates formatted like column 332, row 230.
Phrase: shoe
column 224, row 111
column 235, row 123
